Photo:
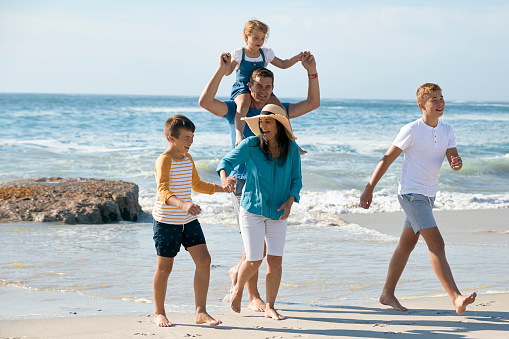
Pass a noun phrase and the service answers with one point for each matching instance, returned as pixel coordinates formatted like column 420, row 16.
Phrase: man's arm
column 207, row 99
column 367, row 196
column 313, row 100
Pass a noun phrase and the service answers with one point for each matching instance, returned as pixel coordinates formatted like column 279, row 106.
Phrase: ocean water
column 61, row 269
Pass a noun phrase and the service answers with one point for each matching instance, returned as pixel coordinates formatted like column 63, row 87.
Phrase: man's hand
column 308, row 62
column 225, row 61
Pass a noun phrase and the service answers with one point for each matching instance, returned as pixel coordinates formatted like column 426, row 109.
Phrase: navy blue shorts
column 169, row 237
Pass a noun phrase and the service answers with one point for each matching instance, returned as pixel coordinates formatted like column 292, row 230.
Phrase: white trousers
column 256, row 229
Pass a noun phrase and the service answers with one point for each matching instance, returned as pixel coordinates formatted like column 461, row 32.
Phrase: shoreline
column 487, row 317
column 487, row 226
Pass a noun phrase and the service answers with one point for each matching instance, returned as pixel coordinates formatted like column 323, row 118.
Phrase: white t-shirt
column 424, row 148
column 268, row 52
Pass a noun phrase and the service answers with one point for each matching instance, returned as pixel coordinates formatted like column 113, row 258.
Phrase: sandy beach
column 487, row 317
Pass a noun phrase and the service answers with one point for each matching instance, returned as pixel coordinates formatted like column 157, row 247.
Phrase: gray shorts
column 236, row 195
column 419, row 211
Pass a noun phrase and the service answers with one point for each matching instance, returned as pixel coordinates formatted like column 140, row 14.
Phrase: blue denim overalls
column 244, row 74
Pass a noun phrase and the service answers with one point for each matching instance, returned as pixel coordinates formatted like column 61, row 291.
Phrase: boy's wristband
column 313, row 76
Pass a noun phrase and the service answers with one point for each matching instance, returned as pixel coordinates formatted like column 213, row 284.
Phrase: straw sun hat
column 271, row 111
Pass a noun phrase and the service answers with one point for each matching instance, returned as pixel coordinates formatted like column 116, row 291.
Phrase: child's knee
column 436, row 246
column 204, row 261
column 407, row 246
column 243, row 101
column 163, row 270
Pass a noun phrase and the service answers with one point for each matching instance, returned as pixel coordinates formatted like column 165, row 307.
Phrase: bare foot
column 257, row 305
column 461, row 302
column 235, row 300
column 202, row 318
column 302, row 151
column 272, row 313
column 161, row 320
column 232, row 272
column 393, row 302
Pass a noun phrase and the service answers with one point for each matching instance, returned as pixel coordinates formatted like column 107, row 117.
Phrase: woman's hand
column 287, row 206
column 228, row 184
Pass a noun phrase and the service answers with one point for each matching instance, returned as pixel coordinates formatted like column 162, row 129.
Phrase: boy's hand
column 228, row 184
column 366, row 198
column 456, row 163
column 191, row 208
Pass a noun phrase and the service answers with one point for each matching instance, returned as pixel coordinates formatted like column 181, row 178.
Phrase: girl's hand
column 287, row 206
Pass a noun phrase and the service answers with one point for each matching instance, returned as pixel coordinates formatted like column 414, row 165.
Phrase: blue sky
column 364, row 49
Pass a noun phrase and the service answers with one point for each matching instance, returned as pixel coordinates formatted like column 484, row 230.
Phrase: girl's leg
column 273, row 281
column 243, row 101
column 160, row 283
column 398, row 262
column 442, row 270
column 201, row 258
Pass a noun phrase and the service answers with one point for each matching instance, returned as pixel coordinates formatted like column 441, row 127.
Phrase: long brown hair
column 283, row 142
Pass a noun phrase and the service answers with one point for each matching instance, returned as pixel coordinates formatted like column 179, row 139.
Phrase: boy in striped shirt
column 175, row 218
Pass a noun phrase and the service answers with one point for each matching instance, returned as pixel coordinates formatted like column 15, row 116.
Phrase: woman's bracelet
column 313, row 76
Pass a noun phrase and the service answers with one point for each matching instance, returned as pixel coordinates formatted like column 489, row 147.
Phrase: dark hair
column 262, row 72
column 282, row 140
column 175, row 123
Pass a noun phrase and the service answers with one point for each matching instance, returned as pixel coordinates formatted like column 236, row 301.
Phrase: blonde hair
column 253, row 25
column 425, row 90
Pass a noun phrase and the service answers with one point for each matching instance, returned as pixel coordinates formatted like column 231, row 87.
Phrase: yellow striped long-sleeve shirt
column 176, row 177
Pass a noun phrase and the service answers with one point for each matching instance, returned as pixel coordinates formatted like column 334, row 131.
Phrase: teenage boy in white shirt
column 425, row 142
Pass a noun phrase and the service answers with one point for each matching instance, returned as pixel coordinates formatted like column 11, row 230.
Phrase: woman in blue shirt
column 273, row 184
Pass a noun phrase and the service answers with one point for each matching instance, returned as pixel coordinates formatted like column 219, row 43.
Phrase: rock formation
column 71, row 200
